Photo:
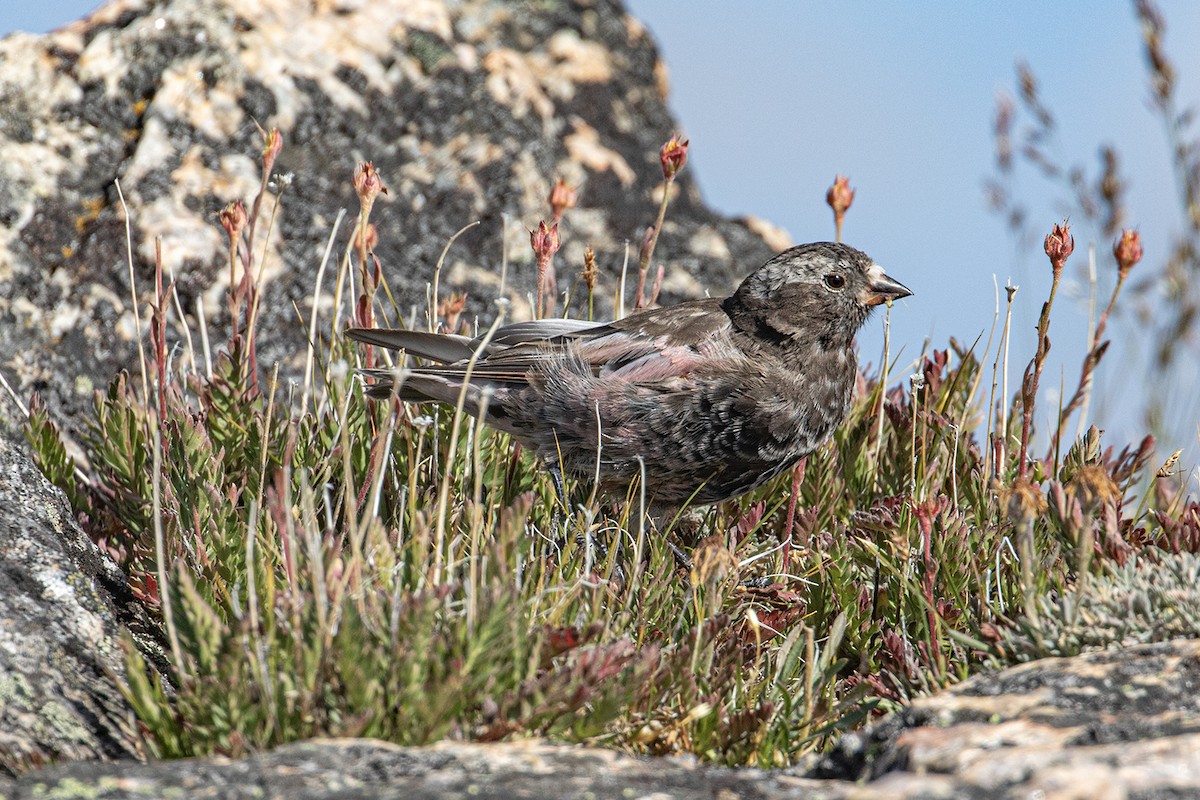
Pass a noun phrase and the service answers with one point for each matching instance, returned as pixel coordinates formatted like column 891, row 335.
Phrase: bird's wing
column 447, row 348
column 646, row 346
column 540, row 330
column 657, row 343
column 686, row 324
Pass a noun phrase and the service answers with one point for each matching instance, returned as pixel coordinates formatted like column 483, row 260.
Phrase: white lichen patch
column 153, row 151
column 512, row 82
column 104, row 60
column 583, row 145
column 185, row 95
column 708, row 242
column 776, row 236
column 573, row 60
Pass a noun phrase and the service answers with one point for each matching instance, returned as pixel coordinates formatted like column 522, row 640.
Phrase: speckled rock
column 1114, row 724
column 1118, row 724
column 469, row 109
column 347, row 769
column 63, row 604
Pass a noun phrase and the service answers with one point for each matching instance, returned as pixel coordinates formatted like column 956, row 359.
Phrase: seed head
column 1128, row 250
column 673, row 156
column 1092, row 486
column 1059, row 246
column 1025, row 502
column 589, row 269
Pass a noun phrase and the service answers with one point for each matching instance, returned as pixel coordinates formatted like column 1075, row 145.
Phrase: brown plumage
column 708, row 399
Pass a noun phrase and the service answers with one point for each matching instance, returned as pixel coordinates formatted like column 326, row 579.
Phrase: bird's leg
column 682, row 525
column 681, row 558
column 563, row 516
column 561, row 506
column 560, row 486
column 797, row 479
column 564, row 519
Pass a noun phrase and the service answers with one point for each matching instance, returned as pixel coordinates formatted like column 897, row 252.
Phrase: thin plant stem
column 137, row 314
column 316, row 306
column 437, row 273
column 443, row 501
column 160, row 557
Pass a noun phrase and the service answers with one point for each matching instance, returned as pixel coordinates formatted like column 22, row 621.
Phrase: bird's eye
column 835, row 281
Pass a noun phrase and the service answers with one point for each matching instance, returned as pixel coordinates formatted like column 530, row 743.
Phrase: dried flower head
column 1010, row 289
column 1059, row 246
column 673, row 156
column 562, row 196
column 1128, row 251
column 1025, row 502
column 233, row 219
column 367, row 185
column 1168, row 467
column 1093, row 487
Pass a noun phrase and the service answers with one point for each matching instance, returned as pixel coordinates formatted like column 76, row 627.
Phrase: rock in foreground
column 1121, row 724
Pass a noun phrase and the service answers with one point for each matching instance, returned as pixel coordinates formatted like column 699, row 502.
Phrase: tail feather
column 445, row 348
column 420, row 387
column 540, row 330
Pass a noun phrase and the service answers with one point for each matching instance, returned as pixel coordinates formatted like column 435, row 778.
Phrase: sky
column 778, row 96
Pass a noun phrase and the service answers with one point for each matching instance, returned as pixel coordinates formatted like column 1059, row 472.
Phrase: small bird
column 704, row 400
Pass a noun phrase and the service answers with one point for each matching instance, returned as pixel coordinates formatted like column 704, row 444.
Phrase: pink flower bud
column 367, row 185
column 233, row 219
column 1059, row 246
column 272, row 145
column 673, row 156
column 840, row 196
column 1128, row 251
column 544, row 241
column 562, row 197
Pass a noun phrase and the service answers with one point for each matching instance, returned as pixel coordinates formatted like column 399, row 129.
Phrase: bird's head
column 822, row 291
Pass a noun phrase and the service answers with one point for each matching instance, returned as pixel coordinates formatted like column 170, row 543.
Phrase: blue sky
column 778, row 96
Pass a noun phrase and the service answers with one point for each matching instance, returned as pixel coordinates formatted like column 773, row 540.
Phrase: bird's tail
column 445, row 348
column 418, row 386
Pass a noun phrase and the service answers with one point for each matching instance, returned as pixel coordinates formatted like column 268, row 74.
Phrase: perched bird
column 705, row 400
